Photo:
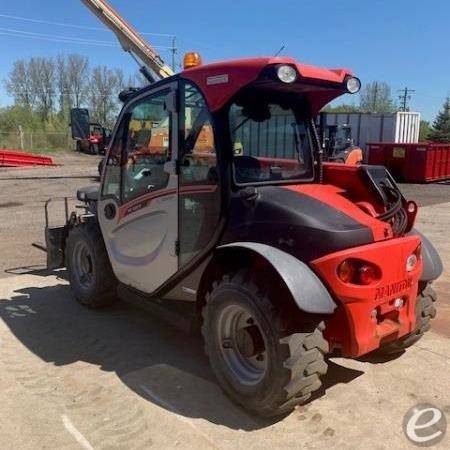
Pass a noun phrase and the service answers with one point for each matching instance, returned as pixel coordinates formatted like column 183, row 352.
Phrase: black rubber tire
column 103, row 289
column 425, row 311
column 295, row 359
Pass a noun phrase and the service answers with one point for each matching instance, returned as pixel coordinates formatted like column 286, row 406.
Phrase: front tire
column 261, row 362
column 90, row 274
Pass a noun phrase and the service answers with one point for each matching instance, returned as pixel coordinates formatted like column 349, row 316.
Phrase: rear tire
column 90, row 274
column 425, row 311
column 93, row 149
column 264, row 365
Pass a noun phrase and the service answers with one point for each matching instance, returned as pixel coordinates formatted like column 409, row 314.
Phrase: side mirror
column 80, row 123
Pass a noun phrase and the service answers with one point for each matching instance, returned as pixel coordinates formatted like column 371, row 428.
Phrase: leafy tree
column 344, row 108
column 376, row 98
column 18, row 84
column 441, row 125
column 63, row 85
column 77, row 68
column 43, row 84
column 13, row 116
column 424, row 130
column 44, row 89
column 104, row 86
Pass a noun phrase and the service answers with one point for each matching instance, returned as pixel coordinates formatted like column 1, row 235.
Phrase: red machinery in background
column 90, row 137
column 16, row 158
column 413, row 163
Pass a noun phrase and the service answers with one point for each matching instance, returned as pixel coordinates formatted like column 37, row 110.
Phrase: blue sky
column 402, row 42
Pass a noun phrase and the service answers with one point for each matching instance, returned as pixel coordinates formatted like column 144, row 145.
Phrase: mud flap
column 55, row 240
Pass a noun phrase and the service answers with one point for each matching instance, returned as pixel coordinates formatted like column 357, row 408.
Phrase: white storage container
column 400, row 127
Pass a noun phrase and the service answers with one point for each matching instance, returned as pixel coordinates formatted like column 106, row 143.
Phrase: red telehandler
column 216, row 207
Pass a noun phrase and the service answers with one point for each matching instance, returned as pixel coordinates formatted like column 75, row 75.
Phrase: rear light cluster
column 413, row 258
column 355, row 271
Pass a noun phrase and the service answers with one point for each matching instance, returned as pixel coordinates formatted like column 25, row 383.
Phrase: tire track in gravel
column 98, row 399
column 57, row 345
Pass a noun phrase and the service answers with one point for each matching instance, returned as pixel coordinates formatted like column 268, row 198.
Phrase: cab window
column 270, row 142
column 147, row 147
column 112, row 177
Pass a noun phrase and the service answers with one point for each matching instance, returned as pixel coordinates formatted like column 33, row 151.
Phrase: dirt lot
column 113, row 379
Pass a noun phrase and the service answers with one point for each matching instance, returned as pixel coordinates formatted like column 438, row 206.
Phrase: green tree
column 12, row 117
column 376, row 98
column 424, row 130
column 344, row 108
column 441, row 125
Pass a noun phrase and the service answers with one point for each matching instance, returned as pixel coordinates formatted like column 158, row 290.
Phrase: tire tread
column 304, row 364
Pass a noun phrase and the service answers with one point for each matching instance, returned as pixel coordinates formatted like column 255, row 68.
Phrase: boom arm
column 128, row 37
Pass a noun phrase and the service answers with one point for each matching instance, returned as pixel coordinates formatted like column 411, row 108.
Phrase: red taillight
column 358, row 272
column 367, row 274
column 346, row 271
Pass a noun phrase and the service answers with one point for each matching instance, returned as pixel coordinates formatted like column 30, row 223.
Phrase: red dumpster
column 413, row 163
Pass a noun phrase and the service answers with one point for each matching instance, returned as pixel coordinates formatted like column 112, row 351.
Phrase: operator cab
column 184, row 145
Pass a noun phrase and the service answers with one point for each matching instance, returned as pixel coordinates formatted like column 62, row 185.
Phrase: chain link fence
column 36, row 142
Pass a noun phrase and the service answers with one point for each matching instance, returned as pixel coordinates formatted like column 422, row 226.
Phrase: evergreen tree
column 441, row 126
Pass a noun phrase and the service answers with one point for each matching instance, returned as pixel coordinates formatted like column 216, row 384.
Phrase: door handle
column 110, row 211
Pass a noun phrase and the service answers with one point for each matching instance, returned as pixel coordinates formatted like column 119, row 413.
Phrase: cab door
column 200, row 199
column 138, row 206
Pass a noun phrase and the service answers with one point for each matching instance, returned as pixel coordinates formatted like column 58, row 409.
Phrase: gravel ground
column 23, row 193
column 120, row 379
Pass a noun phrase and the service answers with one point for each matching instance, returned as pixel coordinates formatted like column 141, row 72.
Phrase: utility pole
column 174, row 51
column 404, row 98
column 21, row 136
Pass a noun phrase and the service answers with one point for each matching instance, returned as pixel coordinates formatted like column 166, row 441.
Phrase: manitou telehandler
column 216, row 207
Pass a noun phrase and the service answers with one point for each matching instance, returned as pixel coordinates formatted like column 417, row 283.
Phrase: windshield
column 269, row 143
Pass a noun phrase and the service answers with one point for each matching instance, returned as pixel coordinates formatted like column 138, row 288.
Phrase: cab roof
column 222, row 80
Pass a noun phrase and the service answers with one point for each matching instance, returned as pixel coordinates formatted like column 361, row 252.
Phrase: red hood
column 238, row 73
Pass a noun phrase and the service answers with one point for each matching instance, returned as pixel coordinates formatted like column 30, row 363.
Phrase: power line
column 60, row 38
column 67, row 41
column 56, row 36
column 71, row 25
column 209, row 46
column 405, row 98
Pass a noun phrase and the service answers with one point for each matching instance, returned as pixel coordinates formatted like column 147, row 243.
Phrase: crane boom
column 129, row 38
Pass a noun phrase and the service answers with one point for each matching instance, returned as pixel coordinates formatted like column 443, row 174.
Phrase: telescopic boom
column 129, row 38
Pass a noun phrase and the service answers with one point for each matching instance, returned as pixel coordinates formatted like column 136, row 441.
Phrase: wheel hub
column 242, row 346
column 249, row 341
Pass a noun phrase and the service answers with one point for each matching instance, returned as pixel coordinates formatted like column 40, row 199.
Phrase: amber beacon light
column 192, row 59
